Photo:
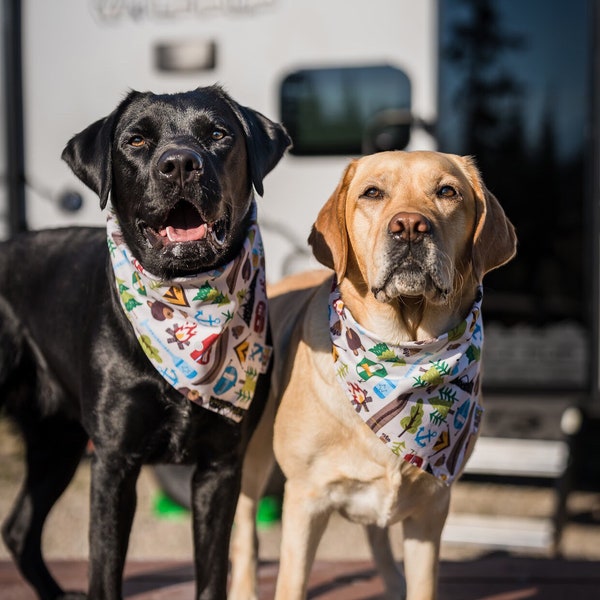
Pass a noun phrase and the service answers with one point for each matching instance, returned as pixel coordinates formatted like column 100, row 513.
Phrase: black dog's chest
column 175, row 430
column 180, row 434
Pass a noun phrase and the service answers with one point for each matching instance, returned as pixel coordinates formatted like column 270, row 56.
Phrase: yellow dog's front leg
column 422, row 535
column 305, row 516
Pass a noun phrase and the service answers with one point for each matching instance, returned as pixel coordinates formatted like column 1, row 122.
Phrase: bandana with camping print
column 205, row 334
column 420, row 398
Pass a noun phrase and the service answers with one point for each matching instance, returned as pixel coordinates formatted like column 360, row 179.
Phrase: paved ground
column 489, row 578
column 156, row 538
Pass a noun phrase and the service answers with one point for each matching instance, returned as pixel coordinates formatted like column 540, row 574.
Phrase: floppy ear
column 89, row 153
column 329, row 236
column 494, row 238
column 266, row 141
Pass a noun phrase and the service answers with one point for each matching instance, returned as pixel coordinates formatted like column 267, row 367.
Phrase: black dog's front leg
column 215, row 490
column 112, row 508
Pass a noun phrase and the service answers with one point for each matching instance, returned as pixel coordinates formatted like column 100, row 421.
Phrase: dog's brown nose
column 180, row 164
column 409, row 226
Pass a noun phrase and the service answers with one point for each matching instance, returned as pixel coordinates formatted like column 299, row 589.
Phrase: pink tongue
column 185, row 224
column 176, row 234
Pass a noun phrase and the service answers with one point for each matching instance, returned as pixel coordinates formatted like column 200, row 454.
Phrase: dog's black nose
column 409, row 227
column 180, row 164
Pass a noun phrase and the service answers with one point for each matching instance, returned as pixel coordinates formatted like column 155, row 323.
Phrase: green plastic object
column 269, row 511
column 165, row 508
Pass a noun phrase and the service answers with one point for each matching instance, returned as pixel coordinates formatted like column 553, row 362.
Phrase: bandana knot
column 419, row 398
column 205, row 334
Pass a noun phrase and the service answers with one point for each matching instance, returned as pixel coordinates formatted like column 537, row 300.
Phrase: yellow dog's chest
column 321, row 441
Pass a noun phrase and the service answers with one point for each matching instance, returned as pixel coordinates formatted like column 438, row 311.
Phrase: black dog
column 179, row 170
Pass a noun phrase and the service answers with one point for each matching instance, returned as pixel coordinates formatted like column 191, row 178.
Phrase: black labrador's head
column 179, row 169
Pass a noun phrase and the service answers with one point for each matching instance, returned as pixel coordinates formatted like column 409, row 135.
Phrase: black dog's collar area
column 188, row 326
column 185, row 225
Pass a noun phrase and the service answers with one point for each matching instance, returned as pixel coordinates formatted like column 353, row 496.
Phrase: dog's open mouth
column 184, row 224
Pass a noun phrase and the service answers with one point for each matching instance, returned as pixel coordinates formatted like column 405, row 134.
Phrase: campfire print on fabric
column 421, row 398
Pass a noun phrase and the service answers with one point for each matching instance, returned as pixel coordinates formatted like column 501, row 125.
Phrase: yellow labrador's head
column 412, row 224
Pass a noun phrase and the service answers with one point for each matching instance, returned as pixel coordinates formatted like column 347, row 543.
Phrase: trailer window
column 347, row 110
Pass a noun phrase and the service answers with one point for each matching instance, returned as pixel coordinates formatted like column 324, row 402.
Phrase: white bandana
column 205, row 334
column 421, row 398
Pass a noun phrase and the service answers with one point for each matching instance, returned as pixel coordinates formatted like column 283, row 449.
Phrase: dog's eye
column 373, row 192
column 137, row 141
column 217, row 134
column 447, row 191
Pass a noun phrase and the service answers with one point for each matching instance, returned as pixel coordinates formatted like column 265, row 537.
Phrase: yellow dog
column 370, row 421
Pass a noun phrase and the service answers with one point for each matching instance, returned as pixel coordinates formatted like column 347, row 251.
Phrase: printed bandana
column 205, row 334
column 421, row 398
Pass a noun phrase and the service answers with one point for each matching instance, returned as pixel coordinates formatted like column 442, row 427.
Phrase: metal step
column 499, row 532
column 518, row 457
column 515, row 458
